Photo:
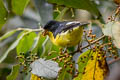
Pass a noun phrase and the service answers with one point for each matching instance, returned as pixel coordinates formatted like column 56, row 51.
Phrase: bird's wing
column 64, row 26
column 71, row 25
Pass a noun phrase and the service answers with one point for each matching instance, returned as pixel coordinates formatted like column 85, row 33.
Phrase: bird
column 65, row 33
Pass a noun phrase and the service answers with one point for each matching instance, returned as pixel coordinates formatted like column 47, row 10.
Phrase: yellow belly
column 68, row 38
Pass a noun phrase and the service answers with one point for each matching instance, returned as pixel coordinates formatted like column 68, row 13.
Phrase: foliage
column 14, row 73
column 98, row 70
column 3, row 14
column 79, row 4
column 19, row 8
column 38, row 56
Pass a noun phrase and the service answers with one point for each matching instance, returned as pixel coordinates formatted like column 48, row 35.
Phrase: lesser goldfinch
column 65, row 33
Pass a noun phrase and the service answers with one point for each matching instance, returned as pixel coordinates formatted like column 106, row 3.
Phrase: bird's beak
column 45, row 33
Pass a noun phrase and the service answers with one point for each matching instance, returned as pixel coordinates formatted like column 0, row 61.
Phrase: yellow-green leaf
column 34, row 77
column 95, row 69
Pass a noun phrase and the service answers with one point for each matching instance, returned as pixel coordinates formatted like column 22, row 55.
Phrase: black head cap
column 51, row 25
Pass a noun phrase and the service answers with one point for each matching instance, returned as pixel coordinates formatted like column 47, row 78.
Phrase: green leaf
column 9, row 4
column 48, row 46
column 26, row 43
column 35, row 43
column 55, row 48
column 2, row 57
column 15, row 71
column 55, row 14
column 3, row 14
column 64, row 75
column 79, row 4
column 60, row 16
column 40, row 47
column 8, row 34
column 18, row 6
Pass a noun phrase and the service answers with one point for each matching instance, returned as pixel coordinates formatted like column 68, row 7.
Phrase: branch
column 28, row 29
column 88, row 45
column 93, row 42
column 114, row 60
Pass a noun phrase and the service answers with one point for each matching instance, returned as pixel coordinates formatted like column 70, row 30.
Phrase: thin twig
column 88, row 44
column 28, row 29
column 114, row 60
column 93, row 42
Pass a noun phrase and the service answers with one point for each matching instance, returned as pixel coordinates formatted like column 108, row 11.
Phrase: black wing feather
column 64, row 27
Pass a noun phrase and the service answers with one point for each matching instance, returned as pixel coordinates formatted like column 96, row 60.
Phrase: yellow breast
column 68, row 38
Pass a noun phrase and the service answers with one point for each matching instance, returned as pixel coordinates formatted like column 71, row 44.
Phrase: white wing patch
column 69, row 23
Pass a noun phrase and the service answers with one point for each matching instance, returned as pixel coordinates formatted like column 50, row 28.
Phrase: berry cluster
column 64, row 60
column 26, row 60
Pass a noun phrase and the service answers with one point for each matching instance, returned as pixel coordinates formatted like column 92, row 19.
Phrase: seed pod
column 109, row 38
column 83, row 72
column 21, row 72
column 70, row 72
column 71, row 66
column 70, row 56
column 113, row 51
column 94, row 50
column 92, row 58
column 90, row 40
column 88, row 35
column 60, row 59
column 75, row 75
column 54, row 59
column 109, row 43
column 105, row 56
column 26, row 73
column 110, row 48
column 115, row 57
column 84, row 68
column 84, row 56
column 63, row 58
column 84, row 31
column 93, row 36
column 109, row 18
column 60, row 53
column 97, row 43
column 65, row 66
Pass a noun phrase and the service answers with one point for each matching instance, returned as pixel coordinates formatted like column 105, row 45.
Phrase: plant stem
column 88, row 45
